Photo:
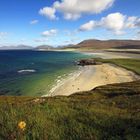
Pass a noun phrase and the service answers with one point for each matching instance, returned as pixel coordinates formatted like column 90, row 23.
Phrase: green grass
column 110, row 112
column 130, row 64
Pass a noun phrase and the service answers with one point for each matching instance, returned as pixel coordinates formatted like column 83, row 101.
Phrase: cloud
column 137, row 22
column 70, row 16
column 132, row 22
column 115, row 22
column 88, row 26
column 49, row 33
column 74, row 9
column 23, row 40
column 137, row 35
column 48, row 12
column 34, row 22
column 41, row 40
column 3, row 34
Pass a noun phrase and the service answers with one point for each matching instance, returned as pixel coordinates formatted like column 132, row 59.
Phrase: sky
column 62, row 22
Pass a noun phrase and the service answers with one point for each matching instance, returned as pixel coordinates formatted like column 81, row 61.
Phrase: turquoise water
column 33, row 72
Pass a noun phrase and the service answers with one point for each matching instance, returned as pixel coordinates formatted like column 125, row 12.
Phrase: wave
column 26, row 71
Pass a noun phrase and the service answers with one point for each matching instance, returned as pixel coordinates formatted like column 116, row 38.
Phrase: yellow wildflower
column 21, row 125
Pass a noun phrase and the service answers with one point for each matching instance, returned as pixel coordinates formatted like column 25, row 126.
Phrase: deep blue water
column 47, row 65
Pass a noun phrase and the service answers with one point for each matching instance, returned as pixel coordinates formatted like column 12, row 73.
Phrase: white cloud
column 132, row 22
column 3, row 34
column 41, row 40
column 23, row 40
column 48, row 12
column 34, row 22
column 138, row 23
column 49, row 33
column 74, row 9
column 115, row 22
column 70, row 16
column 88, row 26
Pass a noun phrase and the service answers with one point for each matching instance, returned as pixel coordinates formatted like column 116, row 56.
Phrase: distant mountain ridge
column 18, row 47
column 44, row 47
column 86, row 44
column 108, row 44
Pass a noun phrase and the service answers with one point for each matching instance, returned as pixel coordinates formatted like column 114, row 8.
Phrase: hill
column 18, row 47
column 107, row 44
column 44, row 47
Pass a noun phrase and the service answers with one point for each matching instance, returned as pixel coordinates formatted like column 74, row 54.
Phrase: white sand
column 89, row 77
column 106, row 55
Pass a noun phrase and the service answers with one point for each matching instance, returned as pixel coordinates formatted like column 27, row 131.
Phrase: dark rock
column 84, row 62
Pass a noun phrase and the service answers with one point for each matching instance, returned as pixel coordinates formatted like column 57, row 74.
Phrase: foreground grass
column 110, row 112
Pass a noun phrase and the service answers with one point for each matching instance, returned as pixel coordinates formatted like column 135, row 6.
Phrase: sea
column 34, row 73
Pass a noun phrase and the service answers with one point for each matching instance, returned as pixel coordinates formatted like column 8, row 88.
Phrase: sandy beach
column 107, row 54
column 89, row 77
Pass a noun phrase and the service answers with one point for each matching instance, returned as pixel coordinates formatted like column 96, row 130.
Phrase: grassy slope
column 107, row 112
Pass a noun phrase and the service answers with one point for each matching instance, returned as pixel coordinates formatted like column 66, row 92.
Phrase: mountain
column 18, row 47
column 44, row 47
column 107, row 44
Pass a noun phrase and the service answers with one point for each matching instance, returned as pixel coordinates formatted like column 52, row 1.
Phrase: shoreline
column 62, row 79
column 107, row 54
column 90, row 77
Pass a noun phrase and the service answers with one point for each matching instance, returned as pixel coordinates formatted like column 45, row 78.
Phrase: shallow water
column 33, row 72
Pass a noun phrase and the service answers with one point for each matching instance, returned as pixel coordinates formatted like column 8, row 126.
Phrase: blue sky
column 37, row 22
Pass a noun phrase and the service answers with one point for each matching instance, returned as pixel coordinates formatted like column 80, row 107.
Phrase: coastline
column 90, row 77
column 105, row 55
column 111, row 54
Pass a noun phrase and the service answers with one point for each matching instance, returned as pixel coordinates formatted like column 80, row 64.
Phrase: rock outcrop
column 84, row 62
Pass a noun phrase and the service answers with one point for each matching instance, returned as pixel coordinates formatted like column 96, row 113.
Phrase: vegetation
column 130, row 64
column 110, row 112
